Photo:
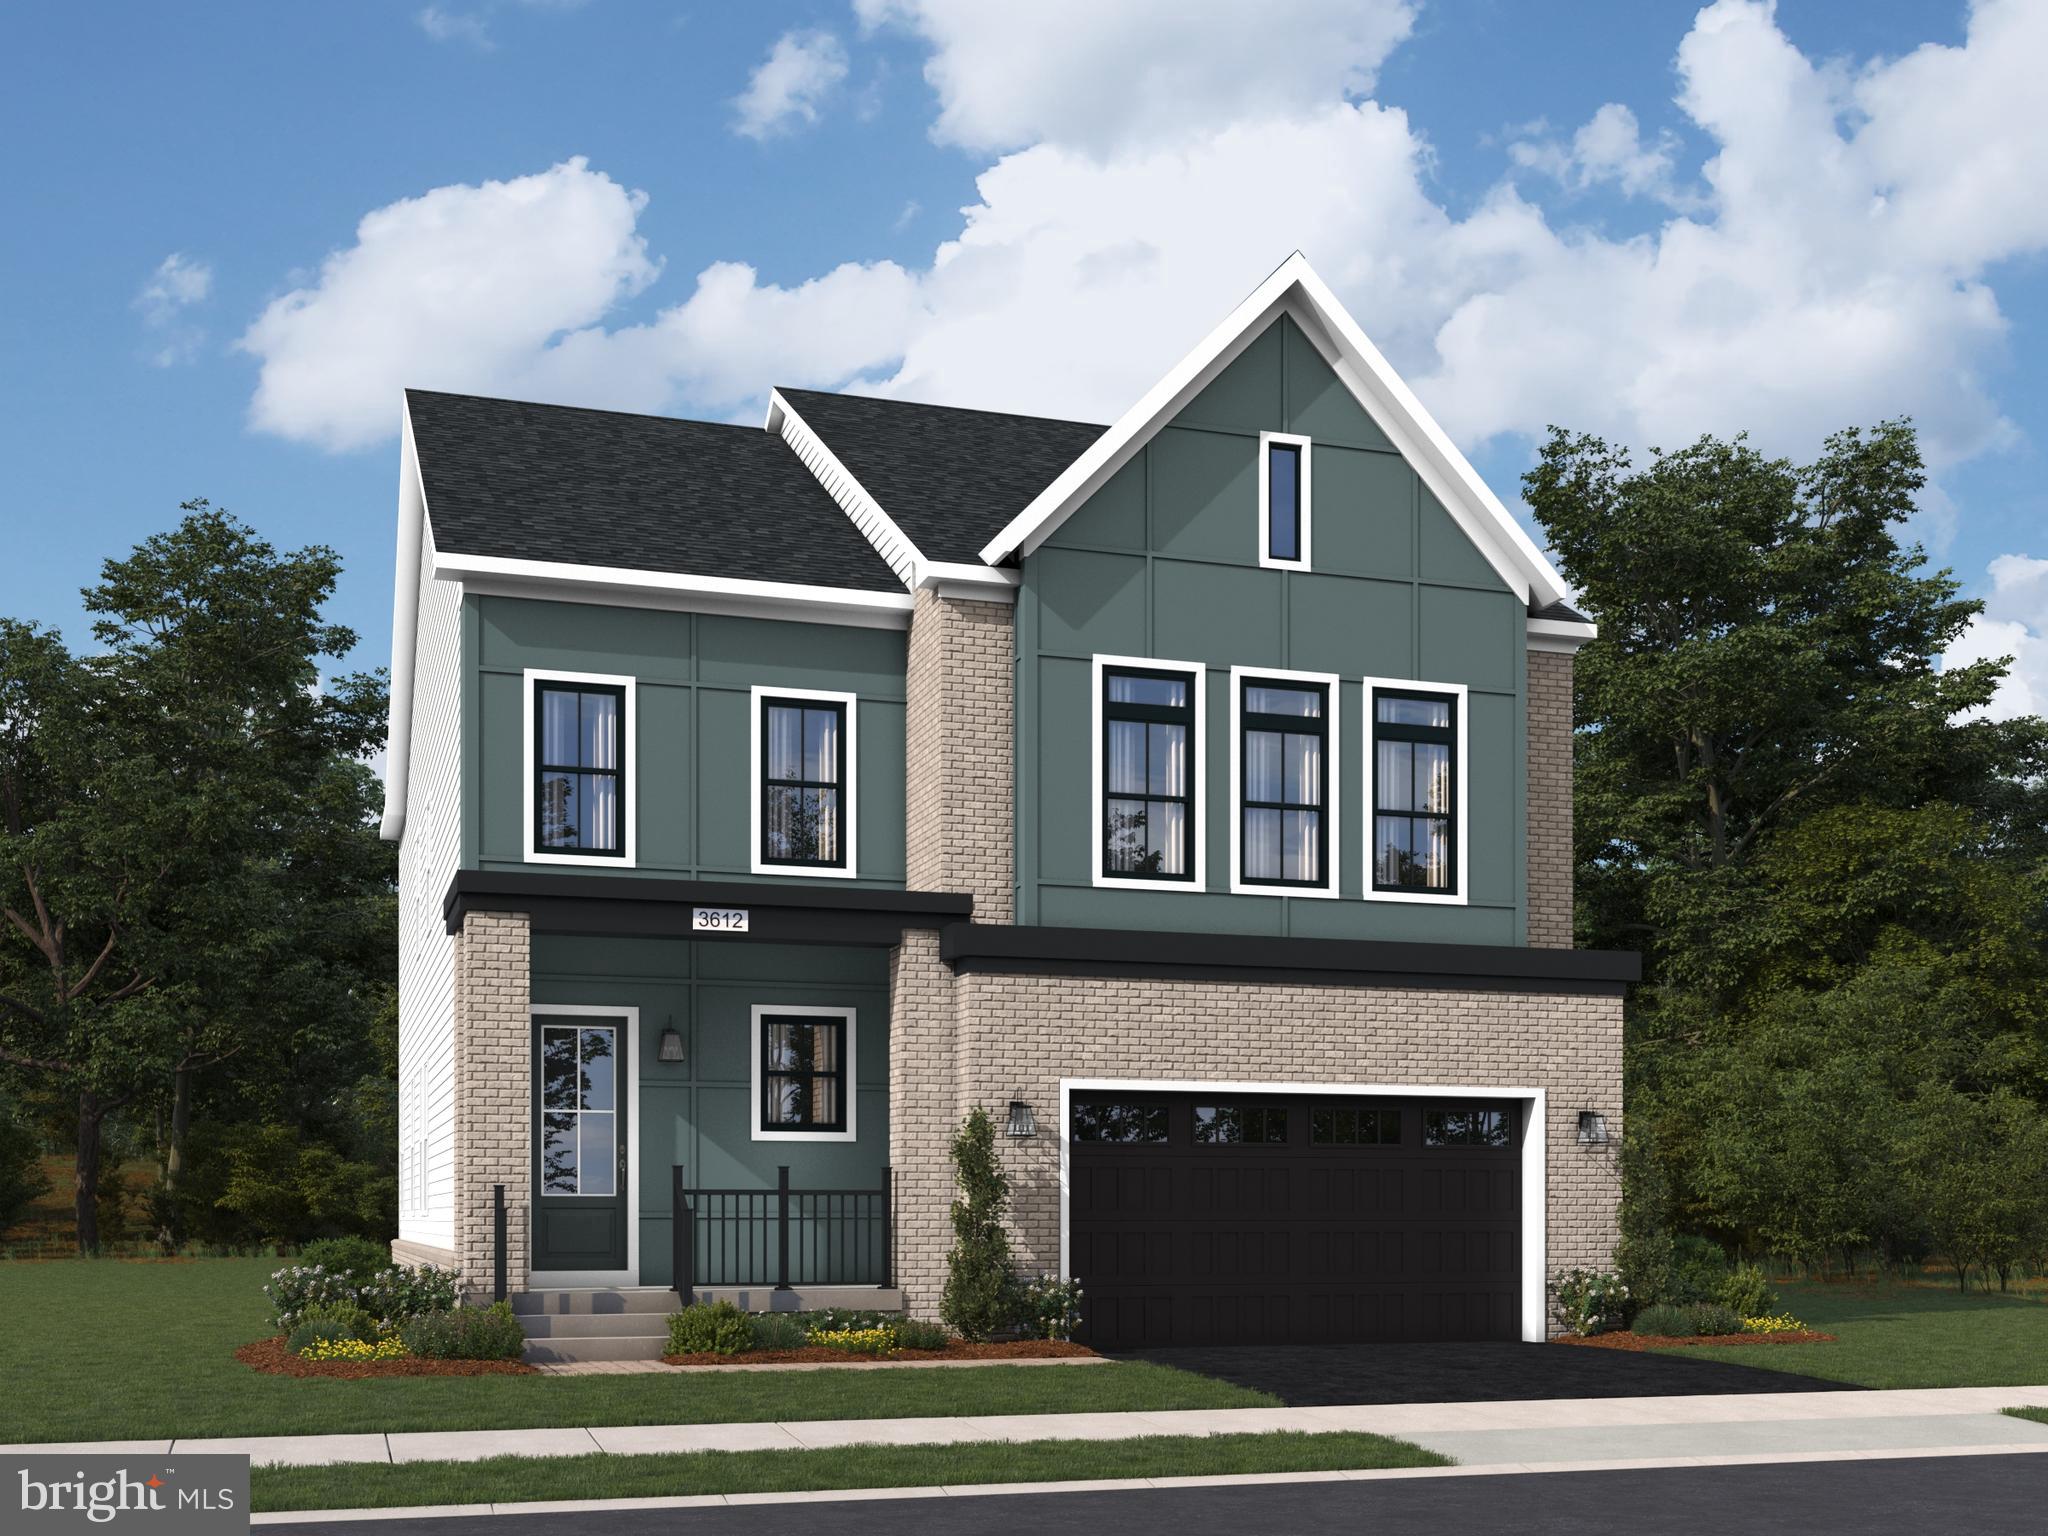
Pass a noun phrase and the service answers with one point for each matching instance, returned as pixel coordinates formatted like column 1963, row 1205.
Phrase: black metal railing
column 783, row 1236
column 497, row 1242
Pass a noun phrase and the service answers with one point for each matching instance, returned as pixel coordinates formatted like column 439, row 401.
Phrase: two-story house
column 1192, row 793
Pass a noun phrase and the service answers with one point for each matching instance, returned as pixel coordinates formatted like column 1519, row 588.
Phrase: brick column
column 1549, row 800
column 961, row 744
column 923, row 1110
column 493, row 1095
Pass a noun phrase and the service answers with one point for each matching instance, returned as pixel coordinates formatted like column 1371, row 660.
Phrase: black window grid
column 1152, row 714
column 542, row 687
column 1446, row 736
column 1291, row 725
column 769, row 705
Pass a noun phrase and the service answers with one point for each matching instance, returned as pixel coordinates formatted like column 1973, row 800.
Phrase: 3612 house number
column 718, row 919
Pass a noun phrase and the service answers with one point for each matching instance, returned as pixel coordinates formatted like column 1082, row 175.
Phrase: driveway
column 1323, row 1375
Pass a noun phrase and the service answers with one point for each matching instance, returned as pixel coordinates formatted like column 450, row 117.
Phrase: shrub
column 22, row 1180
column 357, row 1257
column 848, row 1317
column 295, row 1288
column 1665, row 1321
column 353, row 1349
column 855, row 1341
column 1783, row 1322
column 915, row 1333
column 391, row 1295
column 1698, row 1267
column 779, row 1330
column 1712, row 1317
column 1051, row 1307
column 359, row 1323
column 319, row 1330
column 980, row 1297
column 1590, row 1301
column 716, row 1328
column 1746, row 1293
column 468, row 1333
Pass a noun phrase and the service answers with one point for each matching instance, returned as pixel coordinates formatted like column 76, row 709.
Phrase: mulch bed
column 273, row 1359
column 1662, row 1341
column 958, row 1349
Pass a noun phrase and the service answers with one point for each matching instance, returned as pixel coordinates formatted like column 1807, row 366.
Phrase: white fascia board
column 1563, row 635
column 405, row 630
column 950, row 578
column 561, row 581
column 1294, row 288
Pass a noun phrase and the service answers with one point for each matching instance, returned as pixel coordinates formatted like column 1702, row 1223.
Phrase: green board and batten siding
column 1162, row 562
column 699, row 1111
column 691, row 791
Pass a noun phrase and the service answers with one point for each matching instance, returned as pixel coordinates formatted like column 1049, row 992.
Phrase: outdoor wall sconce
column 1592, row 1127
column 671, row 1041
column 1023, row 1123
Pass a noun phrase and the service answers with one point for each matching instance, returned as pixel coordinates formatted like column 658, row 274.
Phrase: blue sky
column 237, row 229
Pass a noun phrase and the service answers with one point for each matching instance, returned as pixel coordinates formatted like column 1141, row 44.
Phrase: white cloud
column 787, row 88
column 178, row 283
column 1608, row 148
column 1107, row 76
column 2014, row 623
column 446, row 26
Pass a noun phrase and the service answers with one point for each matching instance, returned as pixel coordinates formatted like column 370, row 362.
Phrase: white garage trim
column 1535, row 1155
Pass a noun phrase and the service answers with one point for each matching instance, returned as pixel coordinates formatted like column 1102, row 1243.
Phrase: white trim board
column 1295, row 289
column 1198, row 760
column 413, row 524
column 629, row 813
column 849, row 1048
column 1460, row 782
column 1535, row 1153
column 569, row 1279
column 849, row 791
column 1560, row 635
column 1333, row 782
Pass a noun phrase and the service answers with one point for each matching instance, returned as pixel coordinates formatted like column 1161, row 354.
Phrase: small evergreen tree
column 981, row 1290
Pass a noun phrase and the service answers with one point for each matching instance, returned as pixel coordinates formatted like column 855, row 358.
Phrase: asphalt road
column 1984, row 1495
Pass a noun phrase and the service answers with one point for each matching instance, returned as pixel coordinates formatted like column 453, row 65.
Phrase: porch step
column 594, row 1325
column 642, row 1301
column 565, row 1351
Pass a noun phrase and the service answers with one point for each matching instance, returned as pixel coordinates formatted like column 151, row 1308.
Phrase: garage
column 1228, row 1217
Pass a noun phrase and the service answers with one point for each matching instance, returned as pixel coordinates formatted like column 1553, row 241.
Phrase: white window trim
column 1535, row 1153
column 849, row 800
column 760, row 1012
column 1197, row 758
column 1460, row 816
column 543, row 1279
column 1267, row 440
column 1333, row 780
column 629, row 813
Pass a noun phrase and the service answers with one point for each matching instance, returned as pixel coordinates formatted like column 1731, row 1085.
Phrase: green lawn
column 1906, row 1336
column 113, row 1350
column 517, row 1479
column 2038, row 1415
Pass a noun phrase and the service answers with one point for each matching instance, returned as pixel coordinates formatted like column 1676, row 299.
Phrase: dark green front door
column 579, row 1179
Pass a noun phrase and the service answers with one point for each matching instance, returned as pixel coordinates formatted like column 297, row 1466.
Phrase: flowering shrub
column 391, row 1295
column 353, row 1349
column 1052, row 1307
column 856, row 1341
column 1590, row 1301
column 1783, row 1322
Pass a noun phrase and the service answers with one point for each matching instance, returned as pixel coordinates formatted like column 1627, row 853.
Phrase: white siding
column 428, row 853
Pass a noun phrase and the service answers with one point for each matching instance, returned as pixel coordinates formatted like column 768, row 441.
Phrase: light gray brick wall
column 985, row 1039
column 493, row 1093
column 1550, row 800
column 961, row 807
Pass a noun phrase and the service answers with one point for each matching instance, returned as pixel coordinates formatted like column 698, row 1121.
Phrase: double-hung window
column 1286, row 750
column 803, row 1073
column 1417, row 793
column 1148, row 770
column 580, row 737
column 803, row 805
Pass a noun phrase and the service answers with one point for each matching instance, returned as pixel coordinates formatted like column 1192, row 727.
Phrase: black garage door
column 1216, row 1218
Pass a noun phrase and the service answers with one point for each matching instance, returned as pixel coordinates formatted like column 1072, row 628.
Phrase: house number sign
column 718, row 919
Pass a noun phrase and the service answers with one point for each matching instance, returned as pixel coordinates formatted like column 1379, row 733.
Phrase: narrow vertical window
column 579, row 768
column 803, row 782
column 1283, row 501
column 1148, row 775
column 1415, row 792
column 1283, row 768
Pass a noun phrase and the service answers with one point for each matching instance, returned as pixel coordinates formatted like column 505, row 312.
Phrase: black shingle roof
column 651, row 493
column 950, row 478
column 1564, row 612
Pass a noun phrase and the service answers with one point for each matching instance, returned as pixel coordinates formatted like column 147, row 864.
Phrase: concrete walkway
column 1579, row 1432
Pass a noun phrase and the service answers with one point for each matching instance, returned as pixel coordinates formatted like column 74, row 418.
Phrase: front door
column 579, row 1208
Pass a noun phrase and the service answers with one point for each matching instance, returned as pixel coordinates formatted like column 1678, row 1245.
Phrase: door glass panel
column 597, row 1069
column 558, row 1154
column 1127, row 1123
column 597, row 1155
column 558, row 1068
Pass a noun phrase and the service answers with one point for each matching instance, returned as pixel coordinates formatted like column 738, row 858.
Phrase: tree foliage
column 980, row 1295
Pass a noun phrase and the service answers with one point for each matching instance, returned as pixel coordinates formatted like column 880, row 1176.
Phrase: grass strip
column 2038, row 1415
column 518, row 1479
